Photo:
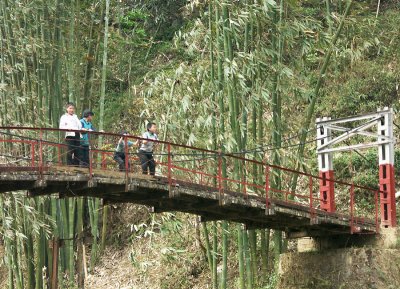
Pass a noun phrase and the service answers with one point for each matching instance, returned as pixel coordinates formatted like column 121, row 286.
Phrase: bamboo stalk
column 71, row 234
column 28, row 250
column 264, row 252
column 246, row 249
column 214, row 255
column 253, row 254
column 79, row 231
column 241, row 257
column 208, row 246
column 314, row 97
column 224, row 254
column 104, row 228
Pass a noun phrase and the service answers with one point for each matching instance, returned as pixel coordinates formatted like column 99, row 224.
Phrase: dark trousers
column 73, row 145
column 147, row 162
column 120, row 159
column 84, row 156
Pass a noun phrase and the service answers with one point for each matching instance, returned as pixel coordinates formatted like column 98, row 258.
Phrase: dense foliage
column 240, row 76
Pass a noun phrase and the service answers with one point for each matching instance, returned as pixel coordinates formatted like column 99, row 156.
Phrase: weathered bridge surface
column 118, row 187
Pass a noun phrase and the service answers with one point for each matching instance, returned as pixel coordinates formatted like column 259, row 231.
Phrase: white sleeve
column 79, row 122
column 62, row 122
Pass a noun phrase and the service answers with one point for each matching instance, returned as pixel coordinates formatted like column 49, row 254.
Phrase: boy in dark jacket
column 119, row 155
column 87, row 125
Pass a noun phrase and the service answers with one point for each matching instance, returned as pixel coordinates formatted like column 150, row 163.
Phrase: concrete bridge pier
column 345, row 262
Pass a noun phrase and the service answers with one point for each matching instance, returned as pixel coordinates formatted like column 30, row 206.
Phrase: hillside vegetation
column 247, row 77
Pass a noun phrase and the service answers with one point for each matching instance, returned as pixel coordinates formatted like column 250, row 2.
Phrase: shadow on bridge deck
column 113, row 187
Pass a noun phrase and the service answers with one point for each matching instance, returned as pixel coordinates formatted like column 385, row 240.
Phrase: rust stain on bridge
column 117, row 187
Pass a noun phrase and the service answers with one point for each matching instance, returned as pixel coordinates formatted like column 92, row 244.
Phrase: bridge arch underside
column 116, row 187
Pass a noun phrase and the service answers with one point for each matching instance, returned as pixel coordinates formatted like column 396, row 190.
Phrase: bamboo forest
column 220, row 144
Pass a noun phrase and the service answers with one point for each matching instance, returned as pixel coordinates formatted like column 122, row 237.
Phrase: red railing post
column 90, row 158
column 244, row 178
column 33, row 154
column 103, row 161
column 267, row 186
column 201, row 167
column 41, row 153
column 59, row 154
column 126, row 148
column 376, row 211
column 220, row 189
column 310, row 181
column 169, row 170
column 352, row 209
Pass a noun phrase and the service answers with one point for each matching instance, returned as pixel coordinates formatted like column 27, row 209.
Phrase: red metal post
column 220, row 190
column 325, row 166
column 126, row 161
column 32, row 154
column 41, row 153
column 386, row 169
column 244, row 178
column 90, row 160
column 169, row 168
column 267, row 186
column 388, row 200
column 310, row 181
column 169, row 173
column 352, row 209
column 327, row 193
column 376, row 211
column 103, row 160
column 59, row 154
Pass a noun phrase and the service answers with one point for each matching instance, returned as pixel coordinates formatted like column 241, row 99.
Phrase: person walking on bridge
column 87, row 125
column 71, row 122
column 146, row 149
column 119, row 155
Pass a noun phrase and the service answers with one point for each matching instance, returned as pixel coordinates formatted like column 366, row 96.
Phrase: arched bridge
column 211, row 184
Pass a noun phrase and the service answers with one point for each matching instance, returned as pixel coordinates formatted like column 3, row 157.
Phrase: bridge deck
column 293, row 218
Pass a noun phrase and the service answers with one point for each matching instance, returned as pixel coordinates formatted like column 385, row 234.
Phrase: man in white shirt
column 145, row 152
column 72, row 138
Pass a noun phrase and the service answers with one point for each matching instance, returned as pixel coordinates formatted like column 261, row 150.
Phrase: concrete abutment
column 346, row 262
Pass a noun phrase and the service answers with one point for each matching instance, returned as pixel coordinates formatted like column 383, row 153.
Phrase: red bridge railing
column 27, row 148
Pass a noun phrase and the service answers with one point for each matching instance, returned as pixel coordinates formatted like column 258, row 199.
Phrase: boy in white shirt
column 71, row 121
column 145, row 152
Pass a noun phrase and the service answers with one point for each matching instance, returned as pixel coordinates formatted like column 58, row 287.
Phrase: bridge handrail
column 212, row 152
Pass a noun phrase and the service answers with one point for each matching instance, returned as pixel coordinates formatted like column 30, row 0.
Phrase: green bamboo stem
column 71, row 234
column 16, row 248
column 215, row 255
column 64, row 256
column 240, row 237
column 104, row 228
column 7, row 246
column 104, row 68
column 212, row 77
column 253, row 254
column 79, row 231
column 208, row 246
column 224, row 254
column 328, row 16
column 264, row 252
column 246, row 249
column 314, row 97
column 94, row 207
column 28, row 251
